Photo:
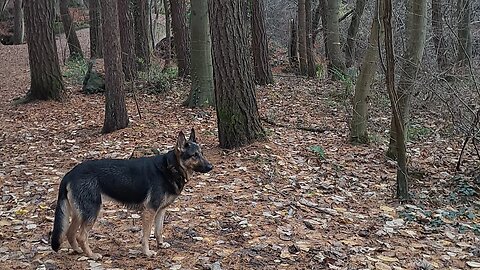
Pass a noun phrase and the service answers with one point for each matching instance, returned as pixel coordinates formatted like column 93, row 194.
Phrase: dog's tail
column 61, row 216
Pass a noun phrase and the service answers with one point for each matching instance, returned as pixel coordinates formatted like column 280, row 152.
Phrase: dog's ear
column 193, row 137
column 181, row 141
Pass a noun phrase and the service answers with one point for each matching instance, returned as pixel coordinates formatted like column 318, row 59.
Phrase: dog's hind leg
column 159, row 218
column 72, row 233
column 85, row 227
column 147, row 222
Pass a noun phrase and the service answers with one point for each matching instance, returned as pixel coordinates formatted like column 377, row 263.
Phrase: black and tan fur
column 149, row 184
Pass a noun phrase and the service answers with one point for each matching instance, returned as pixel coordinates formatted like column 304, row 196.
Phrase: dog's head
column 189, row 154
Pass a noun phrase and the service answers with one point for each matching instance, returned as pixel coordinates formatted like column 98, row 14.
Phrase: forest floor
column 298, row 200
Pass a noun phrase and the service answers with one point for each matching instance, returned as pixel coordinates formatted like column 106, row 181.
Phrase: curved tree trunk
column 180, row 36
column 46, row 79
column 96, row 37
column 464, row 50
column 331, row 30
column 438, row 39
column 311, row 72
column 69, row 29
column 142, row 34
column 237, row 113
column 201, row 92
column 261, row 66
column 115, row 109
column 352, row 33
column 18, row 23
column 125, row 19
column 415, row 44
column 302, row 37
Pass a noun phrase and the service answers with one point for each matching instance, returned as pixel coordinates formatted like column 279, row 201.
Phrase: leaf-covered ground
column 298, row 200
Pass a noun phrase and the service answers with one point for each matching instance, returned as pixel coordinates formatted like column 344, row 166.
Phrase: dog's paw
column 150, row 253
column 95, row 256
column 163, row 245
column 77, row 250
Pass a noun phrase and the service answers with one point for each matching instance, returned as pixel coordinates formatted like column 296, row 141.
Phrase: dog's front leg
column 159, row 218
column 147, row 220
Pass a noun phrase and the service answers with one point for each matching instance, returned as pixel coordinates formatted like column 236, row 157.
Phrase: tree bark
column 352, row 33
column 46, row 79
column 237, row 113
column 316, row 20
column 438, row 39
column 96, row 36
column 115, row 109
column 142, row 43
column 302, row 37
column 311, row 70
column 127, row 40
column 201, row 92
column 180, row 36
column 71, row 34
column 334, row 55
column 361, row 98
column 18, row 23
column 402, row 174
column 464, row 51
column 293, row 44
column 263, row 72
column 415, row 44
column 168, row 35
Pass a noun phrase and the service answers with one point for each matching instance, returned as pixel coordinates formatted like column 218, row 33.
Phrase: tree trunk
column 69, row 29
column 180, row 36
column 352, row 33
column 237, row 113
column 168, row 35
column 18, row 23
column 464, row 51
column 316, row 20
column 46, row 79
column 127, row 40
column 415, row 44
column 361, row 98
column 334, row 51
column 322, row 6
column 302, row 37
column 293, row 44
column 96, row 37
column 115, row 109
column 311, row 70
column 263, row 72
column 142, row 43
column 438, row 39
column 402, row 175
column 201, row 92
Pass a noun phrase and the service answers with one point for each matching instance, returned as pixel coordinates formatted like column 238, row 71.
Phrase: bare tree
column 69, row 29
column 464, row 50
column 311, row 70
column 331, row 29
column 142, row 33
column 180, row 36
column 96, row 37
column 352, row 32
column 302, row 37
column 438, row 39
column 18, row 23
column 127, row 40
column 261, row 66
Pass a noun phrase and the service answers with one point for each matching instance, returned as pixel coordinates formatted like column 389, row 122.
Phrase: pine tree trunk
column 18, row 23
column 237, row 113
column 180, row 36
column 302, row 37
column 127, row 40
column 46, row 79
column 168, row 35
column 142, row 43
column 415, row 34
column 96, row 37
column 352, row 33
column 464, row 50
column 69, row 29
column 334, row 49
column 115, row 109
column 311, row 70
column 438, row 39
column 361, row 98
column 201, row 92
column 261, row 66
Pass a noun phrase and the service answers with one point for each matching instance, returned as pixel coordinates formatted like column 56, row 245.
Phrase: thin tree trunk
column 415, row 34
column 334, row 55
column 263, row 72
column 237, row 113
column 180, row 36
column 201, row 92
column 46, row 79
column 142, row 43
column 293, row 44
column 96, row 37
column 115, row 109
column 438, row 39
column 127, row 40
column 70, row 33
column 311, row 71
column 352, row 32
column 361, row 98
column 464, row 51
column 168, row 35
column 316, row 20
column 18, row 23
column 302, row 37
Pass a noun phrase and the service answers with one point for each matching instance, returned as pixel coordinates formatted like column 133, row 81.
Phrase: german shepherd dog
column 148, row 184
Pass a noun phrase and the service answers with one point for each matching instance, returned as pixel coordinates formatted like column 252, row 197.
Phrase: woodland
column 343, row 134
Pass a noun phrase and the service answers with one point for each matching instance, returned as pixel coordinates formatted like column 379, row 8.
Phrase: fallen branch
column 305, row 128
